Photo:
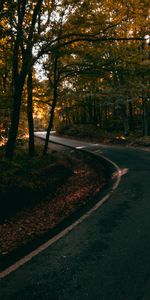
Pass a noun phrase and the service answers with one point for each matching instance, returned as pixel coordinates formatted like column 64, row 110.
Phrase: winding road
column 106, row 257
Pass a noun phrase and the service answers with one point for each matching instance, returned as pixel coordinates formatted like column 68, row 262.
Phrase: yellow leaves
column 3, row 23
column 3, row 41
column 1, row 63
column 75, row 44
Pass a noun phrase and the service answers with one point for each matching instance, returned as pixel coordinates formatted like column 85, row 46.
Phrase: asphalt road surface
column 107, row 257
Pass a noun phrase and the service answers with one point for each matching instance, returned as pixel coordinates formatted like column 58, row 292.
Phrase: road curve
column 107, row 256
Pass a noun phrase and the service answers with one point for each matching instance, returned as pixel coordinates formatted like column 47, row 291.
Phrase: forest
column 68, row 64
column 81, row 68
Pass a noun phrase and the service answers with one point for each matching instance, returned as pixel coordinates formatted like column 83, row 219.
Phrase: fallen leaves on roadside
column 33, row 222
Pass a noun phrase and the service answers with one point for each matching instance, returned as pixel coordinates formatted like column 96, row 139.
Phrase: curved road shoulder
column 116, row 177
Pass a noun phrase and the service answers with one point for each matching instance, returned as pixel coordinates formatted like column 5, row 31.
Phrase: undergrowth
column 24, row 181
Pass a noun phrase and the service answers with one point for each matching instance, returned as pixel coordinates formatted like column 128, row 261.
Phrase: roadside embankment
column 84, row 177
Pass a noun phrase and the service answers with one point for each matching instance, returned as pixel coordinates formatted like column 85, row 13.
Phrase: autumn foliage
column 73, row 62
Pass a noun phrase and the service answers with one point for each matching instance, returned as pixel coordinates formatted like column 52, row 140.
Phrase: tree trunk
column 55, row 96
column 50, row 125
column 126, row 125
column 124, row 116
column 94, row 112
column 131, row 121
column 101, row 115
column 125, row 121
column 20, row 69
column 145, row 119
column 114, row 112
column 10, row 146
column 30, row 115
column 106, row 112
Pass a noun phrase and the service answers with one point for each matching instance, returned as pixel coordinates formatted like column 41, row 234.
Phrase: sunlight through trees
column 67, row 62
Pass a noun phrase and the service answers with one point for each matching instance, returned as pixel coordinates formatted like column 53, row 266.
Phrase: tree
column 30, row 114
column 40, row 27
column 23, row 29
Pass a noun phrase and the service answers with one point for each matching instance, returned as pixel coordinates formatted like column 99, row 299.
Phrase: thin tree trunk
column 102, row 115
column 123, row 115
column 145, row 120
column 125, row 120
column 90, row 120
column 114, row 112
column 94, row 112
column 55, row 96
column 131, row 121
column 106, row 112
column 50, row 125
column 98, row 114
column 17, row 95
column 30, row 115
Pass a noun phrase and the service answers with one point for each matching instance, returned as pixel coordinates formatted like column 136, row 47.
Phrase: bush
column 113, row 125
column 143, row 141
column 81, row 130
column 62, row 128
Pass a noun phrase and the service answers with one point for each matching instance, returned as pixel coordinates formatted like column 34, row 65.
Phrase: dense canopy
column 73, row 62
